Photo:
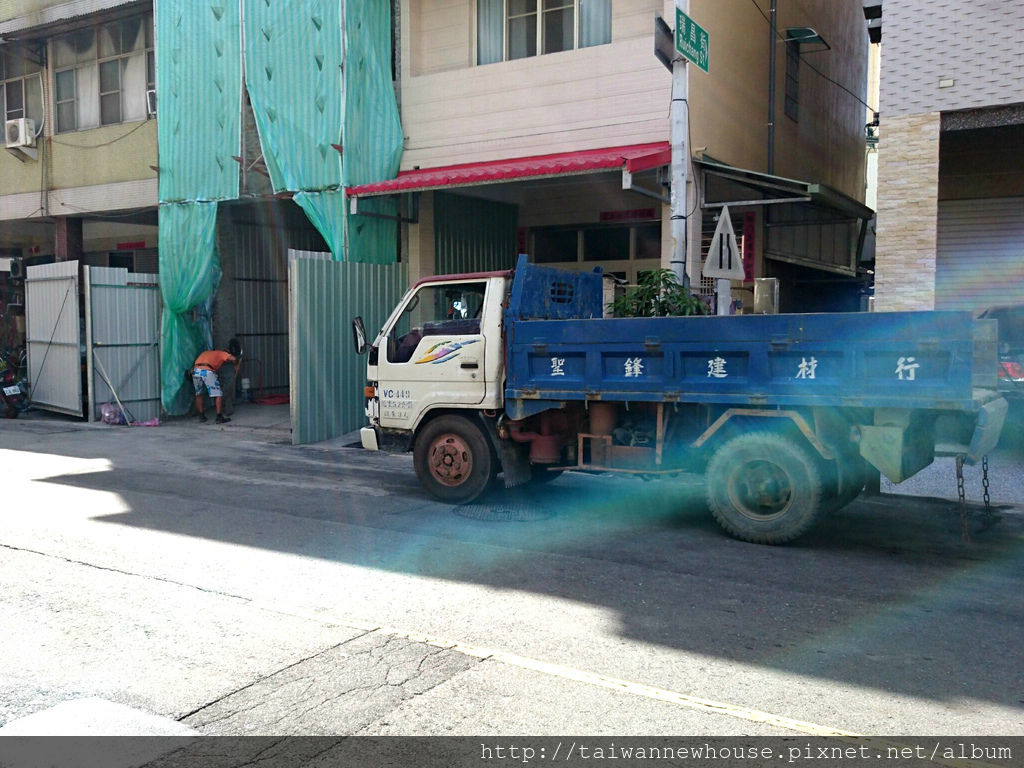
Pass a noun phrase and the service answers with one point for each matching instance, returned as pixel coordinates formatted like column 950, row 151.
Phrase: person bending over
column 204, row 374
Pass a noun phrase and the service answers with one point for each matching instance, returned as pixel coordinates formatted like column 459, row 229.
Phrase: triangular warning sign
column 724, row 259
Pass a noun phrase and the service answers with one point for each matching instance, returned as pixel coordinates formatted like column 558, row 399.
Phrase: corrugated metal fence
column 473, row 235
column 122, row 333
column 327, row 376
column 53, row 336
column 260, row 276
column 117, row 346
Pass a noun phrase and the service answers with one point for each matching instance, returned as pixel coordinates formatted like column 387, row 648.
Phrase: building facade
column 79, row 177
column 951, row 156
column 239, row 169
column 514, row 108
column 208, row 141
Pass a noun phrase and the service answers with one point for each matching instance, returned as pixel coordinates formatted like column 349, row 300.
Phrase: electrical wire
column 104, row 216
column 104, row 144
column 811, row 66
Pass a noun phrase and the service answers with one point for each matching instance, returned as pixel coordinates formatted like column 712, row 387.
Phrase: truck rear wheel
column 452, row 459
column 764, row 487
column 855, row 473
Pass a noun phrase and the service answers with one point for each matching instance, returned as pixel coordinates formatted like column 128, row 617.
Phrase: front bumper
column 368, row 437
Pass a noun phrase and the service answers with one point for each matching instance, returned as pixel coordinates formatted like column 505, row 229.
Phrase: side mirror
column 358, row 335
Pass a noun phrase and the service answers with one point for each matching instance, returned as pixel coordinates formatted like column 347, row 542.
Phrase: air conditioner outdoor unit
column 17, row 269
column 20, row 133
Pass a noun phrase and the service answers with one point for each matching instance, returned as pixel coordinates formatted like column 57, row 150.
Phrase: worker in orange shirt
column 204, row 374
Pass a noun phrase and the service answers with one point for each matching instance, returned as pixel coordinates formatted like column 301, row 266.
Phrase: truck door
column 433, row 353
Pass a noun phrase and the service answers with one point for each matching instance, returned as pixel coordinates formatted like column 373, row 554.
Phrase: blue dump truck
column 520, row 373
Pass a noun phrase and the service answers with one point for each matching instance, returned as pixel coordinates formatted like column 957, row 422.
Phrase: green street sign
column 692, row 40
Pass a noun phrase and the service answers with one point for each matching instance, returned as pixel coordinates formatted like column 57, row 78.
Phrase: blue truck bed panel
column 879, row 360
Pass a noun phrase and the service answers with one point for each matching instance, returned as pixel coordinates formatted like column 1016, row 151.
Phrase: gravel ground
column 1006, row 475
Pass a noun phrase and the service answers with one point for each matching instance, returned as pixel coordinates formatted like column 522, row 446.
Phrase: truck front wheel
column 453, row 461
column 764, row 487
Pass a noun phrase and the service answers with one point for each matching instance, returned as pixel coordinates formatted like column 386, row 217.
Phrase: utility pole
column 680, row 160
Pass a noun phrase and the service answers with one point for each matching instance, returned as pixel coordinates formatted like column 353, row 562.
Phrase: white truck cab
column 440, row 348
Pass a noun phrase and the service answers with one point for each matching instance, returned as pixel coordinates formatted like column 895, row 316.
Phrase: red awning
column 635, row 158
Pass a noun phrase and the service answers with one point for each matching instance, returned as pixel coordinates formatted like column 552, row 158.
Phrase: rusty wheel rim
column 451, row 461
column 760, row 490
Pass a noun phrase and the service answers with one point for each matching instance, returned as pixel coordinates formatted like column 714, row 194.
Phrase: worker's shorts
column 205, row 377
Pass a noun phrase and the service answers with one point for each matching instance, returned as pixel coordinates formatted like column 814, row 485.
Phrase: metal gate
column 980, row 253
column 54, row 337
column 122, row 336
column 115, row 349
column 327, row 376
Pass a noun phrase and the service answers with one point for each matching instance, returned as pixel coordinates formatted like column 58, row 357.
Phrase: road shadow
column 885, row 594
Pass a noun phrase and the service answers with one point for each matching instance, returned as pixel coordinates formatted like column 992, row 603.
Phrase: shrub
column 658, row 294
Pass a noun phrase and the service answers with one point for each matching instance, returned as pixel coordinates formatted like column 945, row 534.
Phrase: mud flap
column 515, row 464
column 987, row 430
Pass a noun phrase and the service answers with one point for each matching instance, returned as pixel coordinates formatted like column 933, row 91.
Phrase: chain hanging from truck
column 988, row 517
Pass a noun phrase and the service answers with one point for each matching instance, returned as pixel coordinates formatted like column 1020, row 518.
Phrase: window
column 436, row 310
column 21, row 87
column 517, row 29
column 554, row 245
column 102, row 74
column 622, row 250
column 792, row 79
column 648, row 241
column 606, row 244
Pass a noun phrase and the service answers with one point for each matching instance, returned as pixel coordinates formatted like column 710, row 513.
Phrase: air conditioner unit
column 21, row 133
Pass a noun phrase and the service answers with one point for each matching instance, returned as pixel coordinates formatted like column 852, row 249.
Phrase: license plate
column 12, row 391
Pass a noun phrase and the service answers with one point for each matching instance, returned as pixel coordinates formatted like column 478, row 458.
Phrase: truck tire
column 764, row 487
column 452, row 459
column 855, row 470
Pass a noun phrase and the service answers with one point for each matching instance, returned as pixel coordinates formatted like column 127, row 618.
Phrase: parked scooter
column 13, row 387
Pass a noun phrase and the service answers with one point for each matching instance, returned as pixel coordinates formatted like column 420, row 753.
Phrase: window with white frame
column 21, row 86
column 102, row 73
column 625, row 251
column 517, row 29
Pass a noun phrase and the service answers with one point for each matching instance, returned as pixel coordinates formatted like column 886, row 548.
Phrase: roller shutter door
column 980, row 261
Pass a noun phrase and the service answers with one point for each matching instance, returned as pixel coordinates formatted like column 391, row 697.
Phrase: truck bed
column 931, row 360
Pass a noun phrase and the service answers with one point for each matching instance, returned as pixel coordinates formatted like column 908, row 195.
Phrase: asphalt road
column 239, row 585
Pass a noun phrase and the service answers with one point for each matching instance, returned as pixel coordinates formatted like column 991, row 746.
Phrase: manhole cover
column 504, row 513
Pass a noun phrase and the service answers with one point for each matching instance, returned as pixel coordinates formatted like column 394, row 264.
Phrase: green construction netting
column 293, row 68
column 372, row 129
column 326, row 211
column 293, row 60
column 189, row 275
column 199, row 79
column 305, row 102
